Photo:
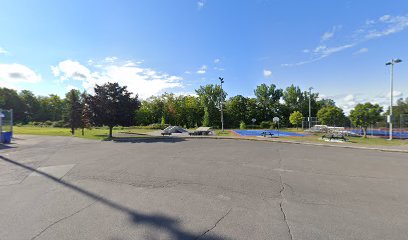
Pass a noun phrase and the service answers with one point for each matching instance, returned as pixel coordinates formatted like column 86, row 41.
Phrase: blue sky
column 338, row 47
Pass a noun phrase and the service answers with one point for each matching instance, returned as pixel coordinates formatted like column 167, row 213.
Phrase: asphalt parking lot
column 70, row 188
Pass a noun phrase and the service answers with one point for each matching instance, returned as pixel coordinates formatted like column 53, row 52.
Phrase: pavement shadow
column 5, row 146
column 158, row 221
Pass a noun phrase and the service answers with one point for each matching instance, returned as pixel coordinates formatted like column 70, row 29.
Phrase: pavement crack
column 282, row 198
column 283, row 210
column 62, row 219
column 215, row 225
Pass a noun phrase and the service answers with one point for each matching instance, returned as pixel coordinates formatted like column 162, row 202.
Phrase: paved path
column 70, row 188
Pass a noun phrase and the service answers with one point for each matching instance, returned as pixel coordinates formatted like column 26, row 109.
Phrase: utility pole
column 310, row 107
column 392, row 63
column 222, row 103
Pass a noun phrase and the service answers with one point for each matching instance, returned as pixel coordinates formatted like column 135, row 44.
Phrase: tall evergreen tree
column 73, row 109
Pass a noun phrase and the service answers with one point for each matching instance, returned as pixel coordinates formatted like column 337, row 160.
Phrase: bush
column 266, row 124
column 48, row 123
column 58, row 124
column 242, row 125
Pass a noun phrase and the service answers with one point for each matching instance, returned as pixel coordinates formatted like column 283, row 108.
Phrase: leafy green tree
column 192, row 111
column 51, row 108
column 210, row 99
column 143, row 116
column 236, row 108
column 296, row 118
column 73, row 109
column 56, row 107
column 86, row 115
column 331, row 115
column 268, row 100
column 31, row 105
column 365, row 114
column 293, row 98
column 9, row 99
column 113, row 105
column 242, row 125
column 400, row 108
column 325, row 102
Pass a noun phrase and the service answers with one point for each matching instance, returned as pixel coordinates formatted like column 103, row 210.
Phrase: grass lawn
column 132, row 132
column 95, row 133
column 370, row 141
column 226, row 133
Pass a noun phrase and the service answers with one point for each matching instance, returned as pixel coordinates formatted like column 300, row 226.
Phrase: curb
column 301, row 143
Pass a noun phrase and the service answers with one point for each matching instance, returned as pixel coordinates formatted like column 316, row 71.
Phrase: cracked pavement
column 199, row 189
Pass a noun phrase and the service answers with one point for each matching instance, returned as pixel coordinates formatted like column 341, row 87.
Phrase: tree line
column 112, row 105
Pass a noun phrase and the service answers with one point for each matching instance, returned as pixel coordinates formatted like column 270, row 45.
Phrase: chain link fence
column 313, row 122
column 381, row 127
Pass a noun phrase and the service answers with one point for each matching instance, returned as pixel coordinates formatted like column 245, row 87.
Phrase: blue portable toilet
column 6, row 117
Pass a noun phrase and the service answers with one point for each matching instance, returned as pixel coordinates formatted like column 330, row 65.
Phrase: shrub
column 242, row 125
column 58, row 124
column 48, row 123
column 296, row 118
column 266, row 124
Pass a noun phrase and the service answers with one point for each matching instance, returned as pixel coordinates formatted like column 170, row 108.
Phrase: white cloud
column 110, row 59
column 384, row 26
column 142, row 81
column 202, row 70
column 267, row 73
column 216, row 61
column 69, row 69
column 361, row 51
column 372, row 29
column 323, row 50
column 3, row 51
column 17, row 73
column 329, row 34
column 385, row 18
column 348, row 101
column 200, row 4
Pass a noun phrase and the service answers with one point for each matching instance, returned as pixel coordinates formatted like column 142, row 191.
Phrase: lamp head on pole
column 394, row 61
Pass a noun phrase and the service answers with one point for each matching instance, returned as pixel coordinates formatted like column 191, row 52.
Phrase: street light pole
column 310, row 107
column 222, row 103
column 392, row 63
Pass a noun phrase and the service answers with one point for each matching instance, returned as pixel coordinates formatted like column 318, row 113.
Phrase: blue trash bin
column 6, row 137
